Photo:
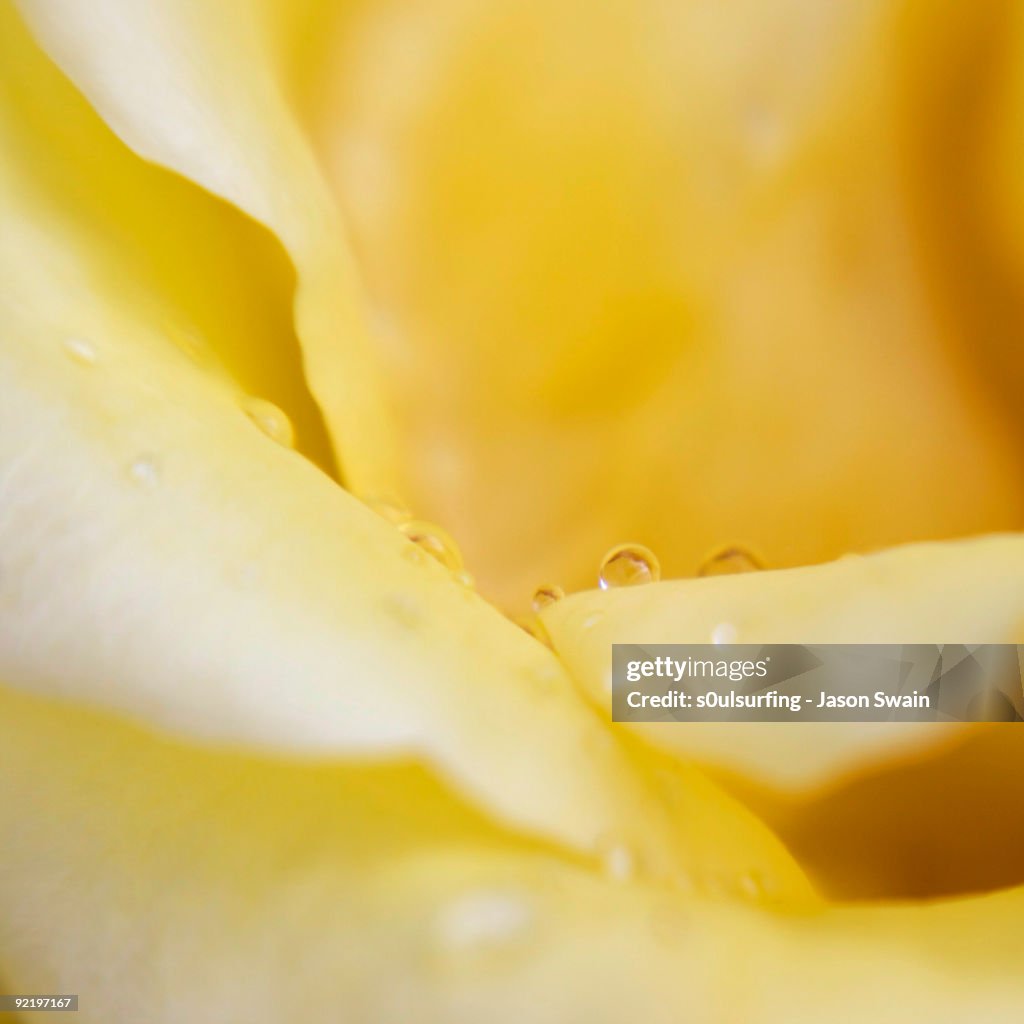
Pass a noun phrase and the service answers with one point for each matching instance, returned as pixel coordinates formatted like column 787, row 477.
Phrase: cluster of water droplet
column 428, row 539
column 630, row 565
column 144, row 469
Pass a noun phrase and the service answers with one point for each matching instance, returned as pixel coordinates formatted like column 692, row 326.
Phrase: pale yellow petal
column 928, row 593
column 164, row 554
column 164, row 883
column 216, row 284
column 196, row 87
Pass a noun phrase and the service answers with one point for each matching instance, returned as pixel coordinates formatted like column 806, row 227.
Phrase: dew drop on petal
column 728, row 561
column 628, row 565
column 389, row 508
column 415, row 554
column 435, row 541
column 403, row 609
column 548, row 677
column 486, row 919
column 145, row 471
column 271, row 420
column 752, row 886
column 546, row 594
column 724, row 633
column 592, row 620
column 81, row 351
column 617, row 859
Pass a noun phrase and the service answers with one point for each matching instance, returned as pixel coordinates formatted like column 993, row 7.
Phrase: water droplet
column 753, row 886
column 465, row 578
column 435, row 542
column 546, row 594
column 728, row 561
column 592, row 620
column 482, row 920
column 415, row 554
column 628, row 565
column 404, row 609
column 81, row 351
column 724, row 633
column 617, row 859
column 271, row 420
column 390, row 509
column 549, row 676
column 145, row 471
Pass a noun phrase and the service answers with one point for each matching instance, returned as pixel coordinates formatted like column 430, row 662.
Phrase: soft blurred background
column 691, row 274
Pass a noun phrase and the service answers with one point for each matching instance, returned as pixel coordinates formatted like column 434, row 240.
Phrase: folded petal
column 166, row 883
column 926, row 593
column 214, row 283
column 197, row 88
column 164, row 553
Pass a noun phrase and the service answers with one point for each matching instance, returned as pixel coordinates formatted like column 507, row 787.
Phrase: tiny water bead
column 617, row 860
column 486, row 919
column 619, row 863
column 628, row 565
column 271, row 420
column 145, row 471
column 729, row 560
column 545, row 595
column 403, row 609
column 465, row 578
column 435, row 541
column 724, row 633
column 752, row 886
column 81, row 351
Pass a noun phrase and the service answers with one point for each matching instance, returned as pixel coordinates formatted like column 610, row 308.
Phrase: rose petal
column 197, row 88
column 165, row 883
column 972, row 591
column 217, row 285
column 159, row 554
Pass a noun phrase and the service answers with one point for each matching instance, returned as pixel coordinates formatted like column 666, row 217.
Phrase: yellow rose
column 557, row 275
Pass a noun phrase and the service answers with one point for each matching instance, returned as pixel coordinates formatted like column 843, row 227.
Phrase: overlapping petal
column 972, row 590
column 167, row 883
column 164, row 557
column 197, row 88
column 348, row 786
